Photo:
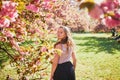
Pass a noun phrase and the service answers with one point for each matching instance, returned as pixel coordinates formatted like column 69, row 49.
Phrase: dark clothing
column 64, row 71
column 113, row 31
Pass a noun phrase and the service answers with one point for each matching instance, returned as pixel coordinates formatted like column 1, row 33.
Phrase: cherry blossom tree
column 26, row 31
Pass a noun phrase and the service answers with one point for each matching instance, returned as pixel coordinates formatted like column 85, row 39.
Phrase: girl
column 62, row 68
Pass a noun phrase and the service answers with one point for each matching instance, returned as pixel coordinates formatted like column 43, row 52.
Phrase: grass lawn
column 97, row 58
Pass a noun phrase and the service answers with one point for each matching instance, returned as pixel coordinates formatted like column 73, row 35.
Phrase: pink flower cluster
column 34, row 5
column 46, row 4
column 109, row 8
column 111, row 23
column 8, row 13
column 4, row 22
column 43, row 49
column 7, row 34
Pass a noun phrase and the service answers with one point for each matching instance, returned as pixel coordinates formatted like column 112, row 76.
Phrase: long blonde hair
column 68, row 40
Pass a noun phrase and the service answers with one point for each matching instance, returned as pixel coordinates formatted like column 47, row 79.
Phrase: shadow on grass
column 98, row 44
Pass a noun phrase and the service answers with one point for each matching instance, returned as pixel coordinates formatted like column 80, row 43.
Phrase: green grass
column 98, row 58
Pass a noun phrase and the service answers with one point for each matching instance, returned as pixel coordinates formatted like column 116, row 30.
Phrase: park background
column 28, row 29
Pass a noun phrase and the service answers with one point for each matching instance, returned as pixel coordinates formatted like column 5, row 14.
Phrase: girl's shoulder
column 57, row 45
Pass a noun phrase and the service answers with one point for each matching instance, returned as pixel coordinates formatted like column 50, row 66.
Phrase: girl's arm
column 54, row 63
column 74, row 59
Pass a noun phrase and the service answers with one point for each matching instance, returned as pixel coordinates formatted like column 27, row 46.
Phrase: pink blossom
column 117, row 2
column 54, row 0
column 108, row 5
column 49, row 15
column 43, row 49
column 19, row 38
column 110, row 22
column 37, row 62
column 37, row 1
column 9, row 9
column 13, row 15
column 37, row 30
column 9, row 4
column 22, row 58
column 32, row 7
column 46, row 0
column 8, row 34
column 36, row 42
column 32, row 31
column 46, row 5
column 4, row 22
column 14, row 44
column 24, row 53
column 96, row 12
column 117, row 13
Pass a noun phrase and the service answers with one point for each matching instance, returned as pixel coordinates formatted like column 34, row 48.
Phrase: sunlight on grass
column 98, row 57
column 7, row 70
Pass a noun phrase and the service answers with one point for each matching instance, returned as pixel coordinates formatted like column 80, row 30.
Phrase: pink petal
column 117, row 13
column 14, row 44
column 43, row 49
column 46, row 5
column 32, row 7
column 109, row 22
column 96, row 12
column 108, row 5
column 117, row 2
column 46, row 0
column 8, row 34
column 49, row 15
column 37, row 1
column 4, row 22
column 54, row 0
column 24, row 53
column 9, row 9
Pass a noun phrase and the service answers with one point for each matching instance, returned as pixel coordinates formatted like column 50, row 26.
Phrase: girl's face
column 61, row 34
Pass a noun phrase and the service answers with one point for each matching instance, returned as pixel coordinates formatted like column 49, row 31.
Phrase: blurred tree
column 106, row 11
